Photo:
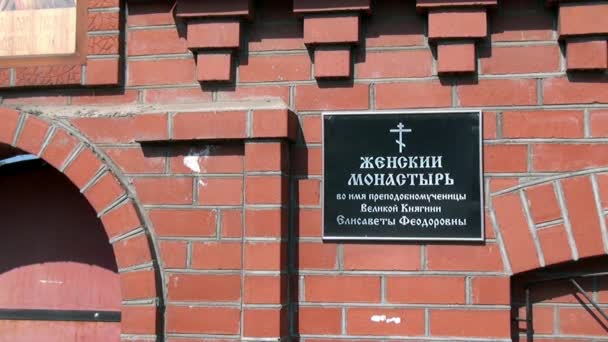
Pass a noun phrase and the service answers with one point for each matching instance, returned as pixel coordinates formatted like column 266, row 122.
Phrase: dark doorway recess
column 58, row 276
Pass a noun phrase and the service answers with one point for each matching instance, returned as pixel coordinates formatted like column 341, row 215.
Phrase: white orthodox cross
column 400, row 129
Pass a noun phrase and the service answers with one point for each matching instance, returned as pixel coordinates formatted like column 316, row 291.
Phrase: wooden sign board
column 37, row 27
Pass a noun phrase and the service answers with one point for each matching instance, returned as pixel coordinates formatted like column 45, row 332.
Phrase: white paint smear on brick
column 194, row 160
column 385, row 319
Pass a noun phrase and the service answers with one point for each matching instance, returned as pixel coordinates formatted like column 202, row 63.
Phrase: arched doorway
column 567, row 302
column 58, row 275
column 142, row 305
column 553, row 236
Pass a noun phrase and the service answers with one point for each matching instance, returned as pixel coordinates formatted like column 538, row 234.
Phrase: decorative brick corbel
column 331, row 29
column 214, row 34
column 584, row 29
column 455, row 26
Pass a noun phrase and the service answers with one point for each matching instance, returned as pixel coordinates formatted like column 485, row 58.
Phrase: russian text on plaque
column 403, row 176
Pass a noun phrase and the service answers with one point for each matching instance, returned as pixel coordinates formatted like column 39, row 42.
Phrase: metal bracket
column 59, row 315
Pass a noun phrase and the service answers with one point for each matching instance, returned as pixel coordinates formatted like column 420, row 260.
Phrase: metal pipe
column 591, row 301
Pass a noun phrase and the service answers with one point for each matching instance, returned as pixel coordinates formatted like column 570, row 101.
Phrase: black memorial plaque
column 403, row 176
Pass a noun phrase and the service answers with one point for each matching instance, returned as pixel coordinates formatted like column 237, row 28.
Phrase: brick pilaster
column 264, row 244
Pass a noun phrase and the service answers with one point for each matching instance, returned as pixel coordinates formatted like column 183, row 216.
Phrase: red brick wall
column 226, row 184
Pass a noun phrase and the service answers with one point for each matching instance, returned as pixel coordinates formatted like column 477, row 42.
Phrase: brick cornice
column 455, row 26
column 584, row 28
column 214, row 34
column 331, row 28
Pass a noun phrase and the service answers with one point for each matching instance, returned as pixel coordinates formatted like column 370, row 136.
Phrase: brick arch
column 111, row 199
column 552, row 220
